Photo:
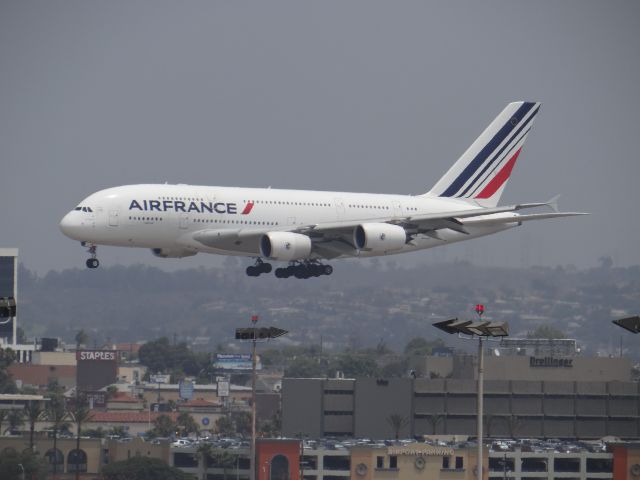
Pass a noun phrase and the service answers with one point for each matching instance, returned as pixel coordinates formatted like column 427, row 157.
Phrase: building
column 527, row 367
column 413, row 461
column 364, row 407
column 65, row 458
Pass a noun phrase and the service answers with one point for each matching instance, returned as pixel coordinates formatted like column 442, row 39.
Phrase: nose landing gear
column 92, row 262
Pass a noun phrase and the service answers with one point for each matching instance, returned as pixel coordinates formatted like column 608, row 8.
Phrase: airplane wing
column 334, row 239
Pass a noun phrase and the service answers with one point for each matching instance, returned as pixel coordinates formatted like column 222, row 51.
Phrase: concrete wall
column 376, row 400
column 302, row 407
column 448, row 406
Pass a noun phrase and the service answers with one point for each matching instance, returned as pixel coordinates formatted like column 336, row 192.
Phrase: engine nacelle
column 285, row 246
column 379, row 237
column 172, row 252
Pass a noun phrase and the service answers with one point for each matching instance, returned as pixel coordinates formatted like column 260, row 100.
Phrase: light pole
column 481, row 330
column 254, row 320
column 254, row 334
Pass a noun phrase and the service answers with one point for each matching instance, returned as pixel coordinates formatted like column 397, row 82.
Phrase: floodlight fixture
column 7, row 307
column 471, row 328
column 629, row 323
column 445, row 326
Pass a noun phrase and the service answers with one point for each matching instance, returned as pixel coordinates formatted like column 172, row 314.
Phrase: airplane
column 304, row 228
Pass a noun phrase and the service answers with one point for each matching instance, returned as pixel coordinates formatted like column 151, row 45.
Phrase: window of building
column 393, row 461
column 336, row 462
column 77, row 461
column 445, row 463
column 379, row 462
column 566, row 464
column 309, row 462
column 459, row 463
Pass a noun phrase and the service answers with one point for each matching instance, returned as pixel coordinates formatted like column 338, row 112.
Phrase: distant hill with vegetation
column 360, row 305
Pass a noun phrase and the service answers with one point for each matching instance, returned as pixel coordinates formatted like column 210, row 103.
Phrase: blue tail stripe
column 506, row 129
column 509, row 145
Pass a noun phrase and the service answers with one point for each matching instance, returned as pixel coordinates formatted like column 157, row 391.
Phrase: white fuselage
column 163, row 216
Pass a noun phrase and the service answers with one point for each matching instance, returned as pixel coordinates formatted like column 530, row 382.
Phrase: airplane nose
column 70, row 225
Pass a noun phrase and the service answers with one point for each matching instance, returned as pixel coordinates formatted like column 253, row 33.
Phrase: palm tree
column 225, row 460
column 16, row 418
column 34, row 412
column 434, row 420
column 397, row 421
column 56, row 414
column 4, row 415
column 205, row 454
column 80, row 413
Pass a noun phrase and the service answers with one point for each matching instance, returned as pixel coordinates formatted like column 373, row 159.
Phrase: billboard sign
column 235, row 362
column 223, row 388
column 186, row 388
column 160, row 378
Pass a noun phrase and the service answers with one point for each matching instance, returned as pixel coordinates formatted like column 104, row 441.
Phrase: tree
column 434, row 420
column 7, row 357
column 80, row 413
column 26, row 464
column 419, row 346
column 143, row 468
column 16, row 419
column 224, row 459
column 4, row 415
column 205, row 455
column 34, row 412
column 163, row 426
column 81, row 338
column 224, row 427
column 242, row 422
column 187, row 424
column 56, row 413
column 397, row 422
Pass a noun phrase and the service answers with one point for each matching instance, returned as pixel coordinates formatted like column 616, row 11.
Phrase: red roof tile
column 128, row 417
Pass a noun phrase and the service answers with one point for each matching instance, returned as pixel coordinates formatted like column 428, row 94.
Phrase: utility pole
column 254, row 320
column 254, row 334
column 482, row 330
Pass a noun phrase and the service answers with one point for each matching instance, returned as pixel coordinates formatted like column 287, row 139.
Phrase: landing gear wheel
column 328, row 269
column 259, row 268
column 93, row 263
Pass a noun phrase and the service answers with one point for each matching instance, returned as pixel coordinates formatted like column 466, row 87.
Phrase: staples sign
column 96, row 355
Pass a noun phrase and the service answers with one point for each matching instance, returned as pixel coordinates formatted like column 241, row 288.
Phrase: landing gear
column 259, row 268
column 307, row 269
column 92, row 262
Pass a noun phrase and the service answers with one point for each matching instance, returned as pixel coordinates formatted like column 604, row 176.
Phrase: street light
column 481, row 330
column 254, row 334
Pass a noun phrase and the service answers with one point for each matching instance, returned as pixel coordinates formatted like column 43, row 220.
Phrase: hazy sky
column 368, row 96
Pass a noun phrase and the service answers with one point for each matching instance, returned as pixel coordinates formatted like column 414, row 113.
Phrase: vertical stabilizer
column 481, row 173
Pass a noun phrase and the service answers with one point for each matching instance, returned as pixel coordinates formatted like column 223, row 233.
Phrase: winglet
column 553, row 203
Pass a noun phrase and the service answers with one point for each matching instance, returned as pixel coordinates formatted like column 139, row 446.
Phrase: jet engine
column 379, row 237
column 285, row 246
column 172, row 252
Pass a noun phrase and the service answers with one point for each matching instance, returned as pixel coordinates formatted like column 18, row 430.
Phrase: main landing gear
column 304, row 270
column 92, row 262
column 259, row 268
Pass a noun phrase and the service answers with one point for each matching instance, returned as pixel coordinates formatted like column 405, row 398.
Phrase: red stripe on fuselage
column 497, row 181
column 247, row 208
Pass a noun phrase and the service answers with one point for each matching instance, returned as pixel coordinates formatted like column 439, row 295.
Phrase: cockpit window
column 78, row 208
column 84, row 209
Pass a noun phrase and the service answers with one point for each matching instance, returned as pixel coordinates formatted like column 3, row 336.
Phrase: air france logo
column 188, row 207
